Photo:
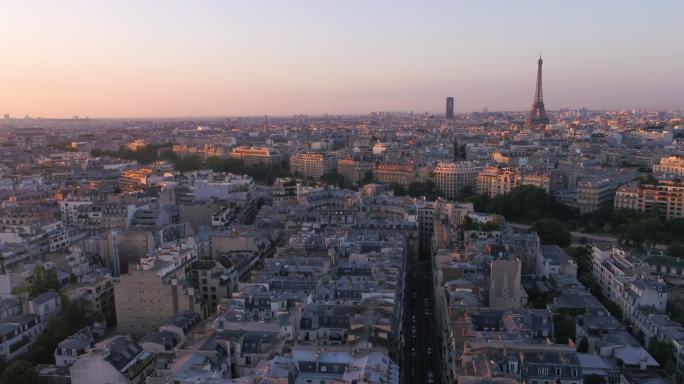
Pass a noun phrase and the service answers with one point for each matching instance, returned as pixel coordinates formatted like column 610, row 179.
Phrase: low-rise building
column 69, row 349
column 118, row 360
column 17, row 336
column 505, row 290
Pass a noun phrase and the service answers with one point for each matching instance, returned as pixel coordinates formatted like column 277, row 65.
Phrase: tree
column 648, row 179
column 398, row 189
column 594, row 379
column 333, row 177
column 415, row 189
column 676, row 249
column 564, row 324
column 552, row 231
column 526, row 204
column 43, row 281
column 480, row 202
column 189, row 163
column 367, row 178
column 19, row 372
column 466, row 192
column 581, row 256
column 583, row 345
column 72, row 320
column 662, row 351
column 418, row 189
column 641, row 338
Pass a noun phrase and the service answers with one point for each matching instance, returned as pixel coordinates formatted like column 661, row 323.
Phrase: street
column 422, row 348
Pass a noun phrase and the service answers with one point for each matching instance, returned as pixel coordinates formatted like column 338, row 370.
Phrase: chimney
column 642, row 363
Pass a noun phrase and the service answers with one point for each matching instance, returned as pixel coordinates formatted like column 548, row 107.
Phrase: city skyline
column 341, row 191
column 173, row 59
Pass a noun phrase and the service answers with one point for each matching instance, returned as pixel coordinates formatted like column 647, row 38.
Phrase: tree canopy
column 73, row 319
column 19, row 372
column 524, row 204
column 662, row 351
column 43, row 280
column 552, row 231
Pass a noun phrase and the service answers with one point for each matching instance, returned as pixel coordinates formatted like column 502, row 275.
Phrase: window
column 544, row 371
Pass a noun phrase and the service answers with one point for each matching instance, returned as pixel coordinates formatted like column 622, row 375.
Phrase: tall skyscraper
column 449, row 107
column 538, row 113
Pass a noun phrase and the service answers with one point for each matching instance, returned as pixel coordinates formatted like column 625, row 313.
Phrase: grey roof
column 554, row 253
column 7, row 328
column 7, row 303
column 189, row 366
column 185, row 320
column 80, row 340
column 167, row 339
column 45, row 297
column 122, row 350
column 254, row 342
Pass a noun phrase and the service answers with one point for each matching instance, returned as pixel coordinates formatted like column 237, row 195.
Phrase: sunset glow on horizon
column 225, row 58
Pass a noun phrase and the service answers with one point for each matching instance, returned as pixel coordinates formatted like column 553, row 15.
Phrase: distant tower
column 538, row 113
column 450, row 108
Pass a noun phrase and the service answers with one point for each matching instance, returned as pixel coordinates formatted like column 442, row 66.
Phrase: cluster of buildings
column 512, row 310
column 206, row 276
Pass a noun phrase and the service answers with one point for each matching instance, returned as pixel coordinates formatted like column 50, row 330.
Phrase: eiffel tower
column 538, row 116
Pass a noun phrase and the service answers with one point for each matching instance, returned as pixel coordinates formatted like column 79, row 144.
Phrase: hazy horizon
column 176, row 59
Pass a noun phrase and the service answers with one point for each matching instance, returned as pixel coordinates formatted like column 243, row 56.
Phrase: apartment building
column 214, row 280
column 595, row 192
column 664, row 198
column 493, row 181
column 69, row 349
column 257, row 155
column 117, row 360
column 627, row 281
column 312, row 164
column 671, row 166
column 17, row 336
column 505, row 288
column 134, row 179
column 69, row 211
column 352, row 170
column 451, row 178
column 155, row 289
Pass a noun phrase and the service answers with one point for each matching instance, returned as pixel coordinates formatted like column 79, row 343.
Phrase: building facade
column 311, row 164
column 665, row 198
column 451, row 178
column 670, row 166
column 388, row 173
column 256, row 156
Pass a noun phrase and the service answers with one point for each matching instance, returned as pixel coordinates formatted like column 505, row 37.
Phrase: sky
column 173, row 58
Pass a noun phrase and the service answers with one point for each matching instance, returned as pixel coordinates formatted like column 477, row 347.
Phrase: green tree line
column 529, row 204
